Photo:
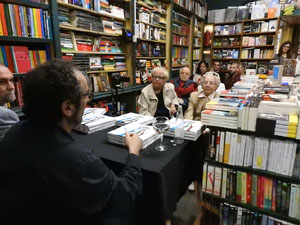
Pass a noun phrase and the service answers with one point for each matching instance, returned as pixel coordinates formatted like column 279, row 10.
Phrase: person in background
column 217, row 68
column 158, row 98
column 47, row 176
column 284, row 52
column 198, row 99
column 202, row 68
column 184, row 87
column 234, row 75
column 7, row 94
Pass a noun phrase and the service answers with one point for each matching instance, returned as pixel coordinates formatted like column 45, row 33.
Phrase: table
column 166, row 175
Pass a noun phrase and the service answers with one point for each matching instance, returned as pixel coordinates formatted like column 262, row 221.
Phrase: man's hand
column 173, row 110
column 133, row 142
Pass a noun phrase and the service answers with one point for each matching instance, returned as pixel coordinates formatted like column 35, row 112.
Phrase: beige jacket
column 197, row 105
column 148, row 101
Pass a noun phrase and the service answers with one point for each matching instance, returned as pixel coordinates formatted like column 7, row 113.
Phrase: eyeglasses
column 286, row 46
column 210, row 83
column 158, row 77
column 89, row 95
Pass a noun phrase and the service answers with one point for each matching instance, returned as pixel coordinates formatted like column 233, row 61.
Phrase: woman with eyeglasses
column 199, row 99
column 285, row 52
column 158, row 98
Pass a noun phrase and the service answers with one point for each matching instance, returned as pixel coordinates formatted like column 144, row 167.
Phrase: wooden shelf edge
column 150, row 57
column 180, row 34
column 177, row 21
column 87, row 31
column 150, row 24
column 148, row 7
column 91, row 53
column 227, row 35
column 162, row 42
column 258, row 46
column 106, row 71
column 224, row 47
column 185, row 46
column 222, row 59
column 71, row 6
column 259, row 33
column 25, row 39
column 27, row 3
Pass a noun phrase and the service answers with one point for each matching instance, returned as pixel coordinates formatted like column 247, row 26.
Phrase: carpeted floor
column 186, row 211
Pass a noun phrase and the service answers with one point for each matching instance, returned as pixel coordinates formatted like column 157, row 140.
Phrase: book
column 133, row 117
column 146, row 133
column 192, row 129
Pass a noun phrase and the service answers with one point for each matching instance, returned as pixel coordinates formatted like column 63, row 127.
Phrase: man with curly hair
column 47, row 176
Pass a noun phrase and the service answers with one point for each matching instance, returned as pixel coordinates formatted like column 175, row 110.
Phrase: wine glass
column 161, row 124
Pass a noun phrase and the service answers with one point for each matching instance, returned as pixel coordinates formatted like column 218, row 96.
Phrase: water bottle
column 179, row 128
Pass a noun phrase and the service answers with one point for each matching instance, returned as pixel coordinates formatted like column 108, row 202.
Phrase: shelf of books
column 182, row 36
column 197, row 42
column 90, row 36
column 253, row 157
column 25, row 38
column 244, row 40
column 152, row 31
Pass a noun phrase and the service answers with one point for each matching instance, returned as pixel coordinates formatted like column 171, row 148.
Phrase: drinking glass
column 161, row 124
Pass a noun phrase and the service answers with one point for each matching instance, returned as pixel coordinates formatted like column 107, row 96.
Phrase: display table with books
column 166, row 175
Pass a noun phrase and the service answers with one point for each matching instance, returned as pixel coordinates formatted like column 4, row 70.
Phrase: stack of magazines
column 192, row 129
column 133, row 117
column 147, row 134
column 94, row 120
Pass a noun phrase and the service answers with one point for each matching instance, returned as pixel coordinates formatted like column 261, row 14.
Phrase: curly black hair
column 46, row 87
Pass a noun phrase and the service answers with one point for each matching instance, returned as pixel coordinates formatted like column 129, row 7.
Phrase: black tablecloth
column 166, row 175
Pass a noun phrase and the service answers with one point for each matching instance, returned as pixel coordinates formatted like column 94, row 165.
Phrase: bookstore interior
column 223, row 75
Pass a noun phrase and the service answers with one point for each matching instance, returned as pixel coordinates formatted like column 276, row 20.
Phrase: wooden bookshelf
column 152, row 57
column 257, row 59
column 226, row 47
column 177, row 21
column 259, row 46
column 71, row 6
column 180, row 34
column 27, row 3
column 259, row 33
column 227, row 35
column 154, row 41
column 25, row 39
column 106, row 71
column 148, row 7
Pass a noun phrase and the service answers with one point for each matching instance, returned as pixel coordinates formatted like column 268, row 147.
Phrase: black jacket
column 47, row 177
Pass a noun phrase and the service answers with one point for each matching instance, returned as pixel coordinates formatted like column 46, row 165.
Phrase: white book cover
column 279, row 157
column 133, row 117
column 250, row 150
column 210, row 179
column 272, row 25
column 258, row 12
column 90, row 114
column 192, row 129
column 222, row 142
column 265, row 27
column 217, row 181
column 288, row 150
column 239, row 216
column 265, row 153
column 233, row 145
column 224, row 183
column 256, row 153
column 146, row 133
column 293, row 156
column 271, row 155
column 238, row 150
column 276, row 159
column 293, row 198
column 242, row 149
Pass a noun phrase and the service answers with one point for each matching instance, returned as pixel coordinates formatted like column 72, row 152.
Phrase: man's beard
column 8, row 98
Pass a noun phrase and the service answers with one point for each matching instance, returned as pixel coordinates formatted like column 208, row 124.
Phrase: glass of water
column 161, row 124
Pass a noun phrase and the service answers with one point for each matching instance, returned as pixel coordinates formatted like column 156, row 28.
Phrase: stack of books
column 133, row 117
column 192, row 129
column 146, row 133
column 94, row 120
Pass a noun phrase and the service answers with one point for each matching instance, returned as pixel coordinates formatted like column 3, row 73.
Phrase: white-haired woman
column 158, row 98
column 197, row 100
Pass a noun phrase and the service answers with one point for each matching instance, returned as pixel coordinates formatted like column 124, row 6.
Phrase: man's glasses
column 89, row 95
column 158, row 77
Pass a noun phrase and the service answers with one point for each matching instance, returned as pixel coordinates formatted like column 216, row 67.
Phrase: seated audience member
column 158, row 98
column 7, row 94
column 48, row 176
column 217, row 68
column 200, row 71
column 198, row 99
column 184, row 87
column 221, row 86
column 234, row 75
column 285, row 52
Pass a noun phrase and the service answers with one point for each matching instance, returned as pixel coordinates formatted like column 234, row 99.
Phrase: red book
column 21, row 59
column 84, row 47
column 249, row 183
column 261, row 192
column 9, row 59
column 3, row 21
column 17, row 20
column 273, row 201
